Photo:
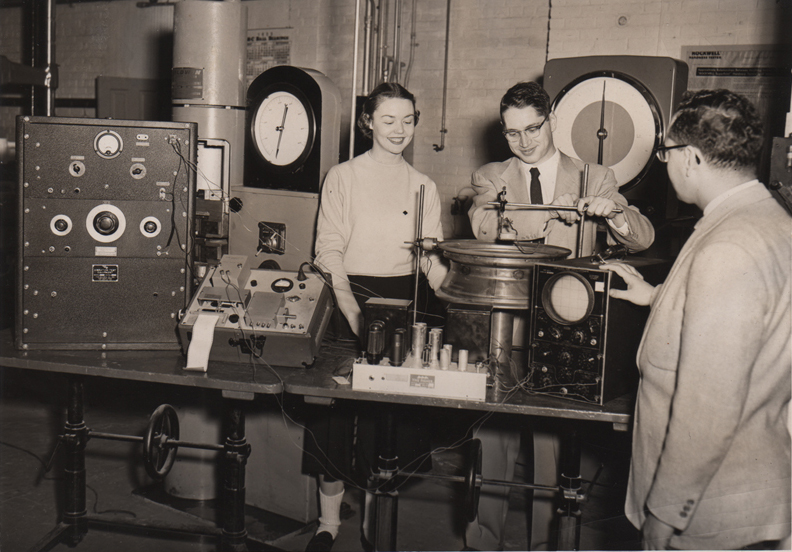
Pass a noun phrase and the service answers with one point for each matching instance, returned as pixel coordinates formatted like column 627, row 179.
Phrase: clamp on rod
column 583, row 192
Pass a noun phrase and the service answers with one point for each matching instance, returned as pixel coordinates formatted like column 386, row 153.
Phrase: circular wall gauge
column 292, row 127
column 609, row 118
column 283, row 128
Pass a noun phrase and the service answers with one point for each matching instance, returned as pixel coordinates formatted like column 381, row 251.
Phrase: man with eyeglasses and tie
column 541, row 174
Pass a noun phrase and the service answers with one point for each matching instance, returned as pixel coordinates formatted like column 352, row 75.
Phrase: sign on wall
column 267, row 48
column 759, row 72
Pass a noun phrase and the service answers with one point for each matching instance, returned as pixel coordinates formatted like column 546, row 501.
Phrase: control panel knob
column 106, row 223
column 555, row 333
column 61, row 225
column 150, row 227
column 578, row 337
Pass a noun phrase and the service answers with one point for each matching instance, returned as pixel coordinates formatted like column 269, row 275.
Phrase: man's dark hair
column 526, row 94
column 385, row 91
column 725, row 126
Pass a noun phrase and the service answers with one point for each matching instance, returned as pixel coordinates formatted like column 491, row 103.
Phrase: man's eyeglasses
column 530, row 132
column 662, row 151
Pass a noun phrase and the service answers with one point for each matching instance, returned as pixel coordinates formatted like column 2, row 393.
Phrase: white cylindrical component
column 209, row 74
column 445, row 358
column 436, row 343
column 418, row 339
column 462, row 360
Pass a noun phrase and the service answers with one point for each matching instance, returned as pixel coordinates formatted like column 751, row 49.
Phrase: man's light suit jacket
column 711, row 446
column 489, row 180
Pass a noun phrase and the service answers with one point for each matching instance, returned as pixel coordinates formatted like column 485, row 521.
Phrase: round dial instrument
column 108, row 144
column 283, row 129
column 611, row 119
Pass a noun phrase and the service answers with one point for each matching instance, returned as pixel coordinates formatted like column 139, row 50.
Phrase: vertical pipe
column 354, row 81
column 42, row 53
column 367, row 50
column 397, row 8
column 380, row 69
column 443, row 130
column 412, row 46
column 49, row 93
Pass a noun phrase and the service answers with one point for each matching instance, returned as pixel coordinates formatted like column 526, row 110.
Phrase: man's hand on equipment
column 638, row 291
column 566, row 200
column 597, row 206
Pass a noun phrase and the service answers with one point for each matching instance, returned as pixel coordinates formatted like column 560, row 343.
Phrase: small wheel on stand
column 159, row 453
column 473, row 480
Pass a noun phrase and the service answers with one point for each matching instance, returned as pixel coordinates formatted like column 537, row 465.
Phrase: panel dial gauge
column 108, row 144
column 283, row 129
column 611, row 119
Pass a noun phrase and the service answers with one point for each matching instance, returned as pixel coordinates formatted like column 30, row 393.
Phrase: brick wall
column 493, row 44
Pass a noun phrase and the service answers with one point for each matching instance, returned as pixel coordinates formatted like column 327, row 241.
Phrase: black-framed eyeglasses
column 530, row 132
column 662, row 151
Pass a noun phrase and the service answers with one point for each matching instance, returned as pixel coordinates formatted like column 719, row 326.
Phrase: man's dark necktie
column 536, row 187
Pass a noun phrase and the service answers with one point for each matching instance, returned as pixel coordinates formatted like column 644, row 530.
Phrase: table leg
column 237, row 451
column 569, row 511
column 385, row 514
column 75, row 438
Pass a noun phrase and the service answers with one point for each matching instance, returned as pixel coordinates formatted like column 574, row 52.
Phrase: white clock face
column 282, row 128
column 609, row 121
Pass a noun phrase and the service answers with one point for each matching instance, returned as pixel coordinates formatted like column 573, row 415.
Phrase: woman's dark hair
column 725, row 126
column 385, row 91
column 526, row 94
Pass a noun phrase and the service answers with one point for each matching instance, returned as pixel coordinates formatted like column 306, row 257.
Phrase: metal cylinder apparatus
column 209, row 75
column 492, row 274
column 496, row 275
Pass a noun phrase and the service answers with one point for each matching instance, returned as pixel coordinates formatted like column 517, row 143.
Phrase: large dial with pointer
column 609, row 118
column 292, row 129
column 283, row 128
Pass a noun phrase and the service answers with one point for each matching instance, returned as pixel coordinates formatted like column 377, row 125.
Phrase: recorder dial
column 106, row 223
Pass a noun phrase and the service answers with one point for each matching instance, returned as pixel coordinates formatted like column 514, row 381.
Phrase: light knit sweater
column 367, row 220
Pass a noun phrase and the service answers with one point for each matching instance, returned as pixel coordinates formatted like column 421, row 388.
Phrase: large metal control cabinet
column 106, row 213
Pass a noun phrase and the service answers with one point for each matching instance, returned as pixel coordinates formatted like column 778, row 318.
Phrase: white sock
column 330, row 508
column 367, row 512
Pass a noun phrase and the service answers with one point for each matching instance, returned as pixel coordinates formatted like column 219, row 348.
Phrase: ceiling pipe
column 354, row 81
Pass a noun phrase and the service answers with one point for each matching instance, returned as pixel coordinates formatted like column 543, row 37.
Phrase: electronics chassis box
column 106, row 213
column 267, row 316
column 583, row 343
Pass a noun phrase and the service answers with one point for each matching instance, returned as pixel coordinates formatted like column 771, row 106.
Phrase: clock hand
column 602, row 133
column 280, row 129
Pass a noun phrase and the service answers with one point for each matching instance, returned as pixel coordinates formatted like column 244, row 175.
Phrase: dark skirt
column 343, row 441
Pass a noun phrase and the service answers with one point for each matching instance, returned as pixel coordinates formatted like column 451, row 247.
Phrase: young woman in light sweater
column 367, row 222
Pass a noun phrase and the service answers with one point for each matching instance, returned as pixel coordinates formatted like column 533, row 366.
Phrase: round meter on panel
column 108, row 144
column 283, row 128
column 611, row 119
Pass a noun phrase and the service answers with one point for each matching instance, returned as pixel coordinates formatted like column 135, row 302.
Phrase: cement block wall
column 492, row 45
